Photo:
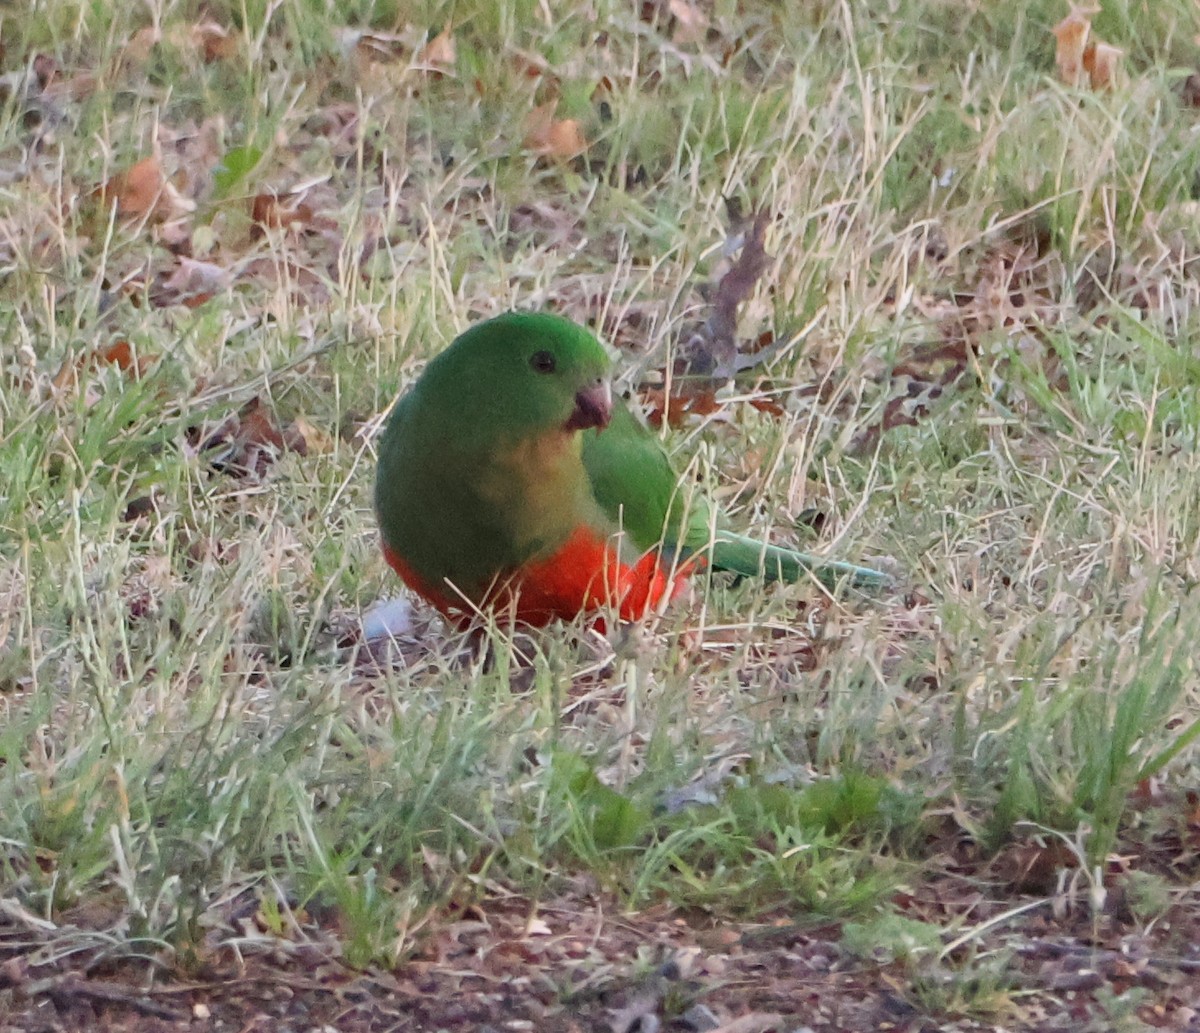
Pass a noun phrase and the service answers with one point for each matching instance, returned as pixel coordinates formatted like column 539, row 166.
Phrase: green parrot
column 510, row 476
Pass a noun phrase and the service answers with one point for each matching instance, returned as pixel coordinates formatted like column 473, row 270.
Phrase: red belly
column 584, row 575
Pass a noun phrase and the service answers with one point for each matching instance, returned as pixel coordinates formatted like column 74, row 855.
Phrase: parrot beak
column 593, row 407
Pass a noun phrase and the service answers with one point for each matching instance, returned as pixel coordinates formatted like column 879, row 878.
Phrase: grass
column 995, row 394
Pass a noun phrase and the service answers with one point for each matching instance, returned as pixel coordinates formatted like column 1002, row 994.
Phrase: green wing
column 638, row 489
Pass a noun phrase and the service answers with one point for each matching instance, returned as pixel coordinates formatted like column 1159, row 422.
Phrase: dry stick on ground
column 70, row 988
column 1094, row 959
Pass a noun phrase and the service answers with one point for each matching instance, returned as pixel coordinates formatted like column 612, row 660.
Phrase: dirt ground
column 578, row 964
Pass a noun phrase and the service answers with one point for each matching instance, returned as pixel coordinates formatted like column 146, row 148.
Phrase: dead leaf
column 139, row 508
column 691, row 24
column 141, row 45
column 279, row 211
column 696, row 396
column 1071, row 35
column 78, row 87
column 215, row 42
column 45, row 69
column 307, row 438
column 439, row 54
column 767, row 406
column 1102, row 61
column 530, row 65
column 301, row 279
column 1032, row 865
column 560, row 139
column 257, row 427
column 206, row 40
column 120, row 354
column 136, row 191
column 374, row 46
column 1191, row 90
column 1076, row 52
column 713, row 347
column 143, row 190
column 687, row 398
column 191, row 283
column 249, row 441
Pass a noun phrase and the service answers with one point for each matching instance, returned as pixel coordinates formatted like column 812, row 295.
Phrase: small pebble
column 700, row 1018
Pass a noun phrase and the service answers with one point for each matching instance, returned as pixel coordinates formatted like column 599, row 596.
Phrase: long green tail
column 741, row 555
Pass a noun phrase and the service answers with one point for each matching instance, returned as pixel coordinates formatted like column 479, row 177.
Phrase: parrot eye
column 543, row 362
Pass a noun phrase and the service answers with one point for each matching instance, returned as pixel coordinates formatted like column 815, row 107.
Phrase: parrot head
column 524, row 373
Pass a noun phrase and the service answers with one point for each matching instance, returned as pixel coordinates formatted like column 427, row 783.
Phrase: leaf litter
column 560, row 969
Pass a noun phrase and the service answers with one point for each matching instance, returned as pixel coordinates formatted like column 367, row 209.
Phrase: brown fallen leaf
column 1077, row 53
column 257, row 426
column 1032, row 865
column 279, row 211
column 695, row 397
column 141, row 45
column 1102, row 61
column 120, row 354
column 140, row 507
column 207, row 40
column 76, row 88
column 1190, row 90
column 300, row 279
column 440, row 54
column 215, row 42
column 552, row 137
column 45, row 70
column 307, row 438
column 713, row 347
column 247, row 442
column 191, row 283
column 687, row 398
column 375, row 46
column 691, row 24
column 767, row 406
column 143, row 190
column 136, row 190
column 1071, row 36
column 530, row 65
